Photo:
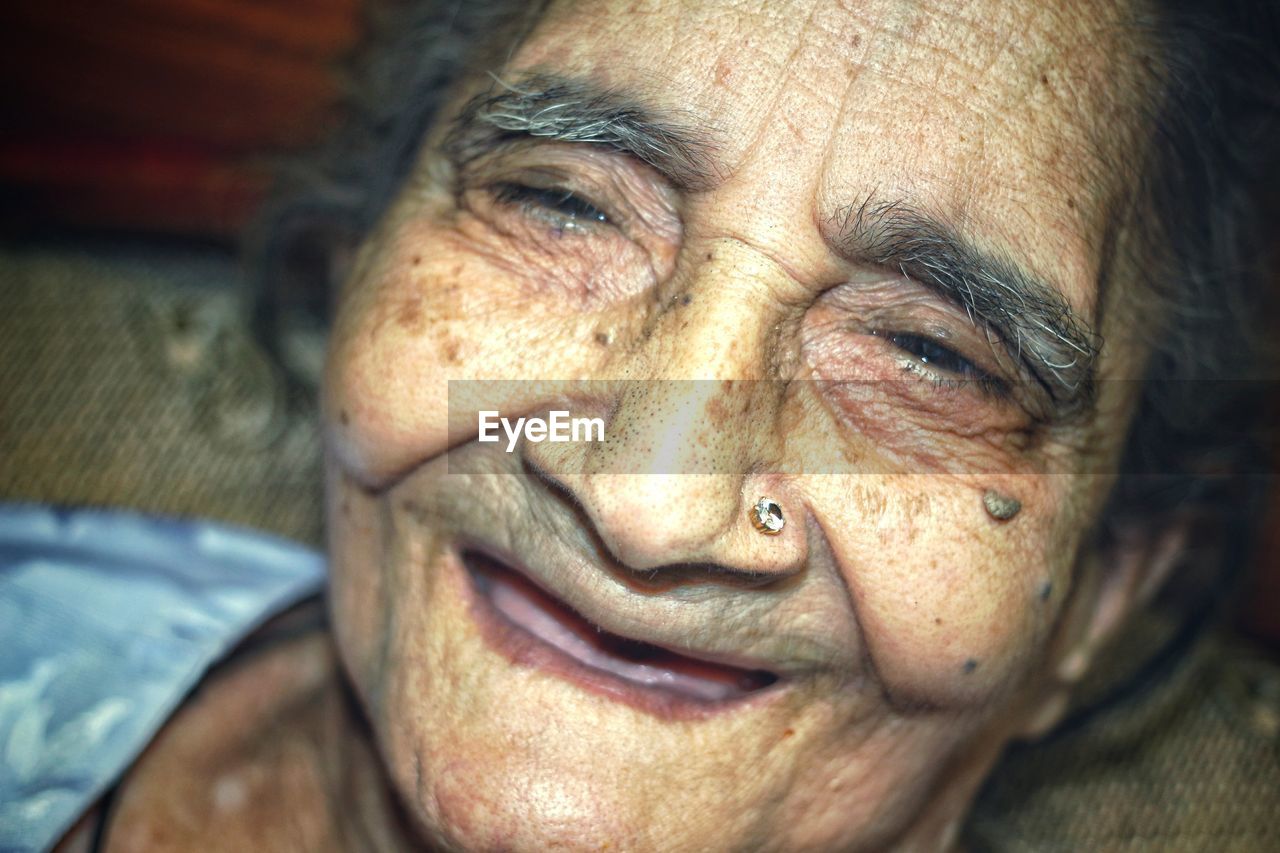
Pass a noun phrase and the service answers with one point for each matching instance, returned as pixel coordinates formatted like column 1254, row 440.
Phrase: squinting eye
column 930, row 352
column 562, row 207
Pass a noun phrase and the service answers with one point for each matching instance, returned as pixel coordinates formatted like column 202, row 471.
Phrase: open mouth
column 548, row 631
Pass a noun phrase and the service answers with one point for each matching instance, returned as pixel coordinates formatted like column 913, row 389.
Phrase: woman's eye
column 562, row 207
column 929, row 351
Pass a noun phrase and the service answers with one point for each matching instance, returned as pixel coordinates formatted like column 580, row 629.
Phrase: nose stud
column 766, row 516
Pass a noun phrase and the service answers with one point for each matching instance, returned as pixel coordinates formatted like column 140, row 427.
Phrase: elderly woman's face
column 892, row 214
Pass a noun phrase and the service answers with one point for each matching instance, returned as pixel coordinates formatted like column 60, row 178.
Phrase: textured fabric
column 107, row 620
column 127, row 378
column 1190, row 763
column 110, row 396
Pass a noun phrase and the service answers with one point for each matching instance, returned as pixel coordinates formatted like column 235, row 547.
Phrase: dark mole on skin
column 1000, row 507
column 1046, row 590
column 602, row 338
column 969, row 666
column 686, row 299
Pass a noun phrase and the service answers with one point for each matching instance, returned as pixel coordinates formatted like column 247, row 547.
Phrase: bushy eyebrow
column 570, row 109
column 1032, row 319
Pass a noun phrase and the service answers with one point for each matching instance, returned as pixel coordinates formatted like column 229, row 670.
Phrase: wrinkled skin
column 915, row 634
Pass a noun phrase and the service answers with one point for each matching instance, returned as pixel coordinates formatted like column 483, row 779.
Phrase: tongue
column 533, row 610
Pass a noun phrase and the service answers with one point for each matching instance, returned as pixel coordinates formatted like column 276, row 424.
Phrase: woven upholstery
column 1191, row 764
column 127, row 379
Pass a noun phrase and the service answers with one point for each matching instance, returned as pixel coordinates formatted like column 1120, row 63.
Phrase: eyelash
column 563, row 208
column 929, row 352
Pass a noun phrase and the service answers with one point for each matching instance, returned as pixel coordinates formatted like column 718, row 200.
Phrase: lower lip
column 524, row 649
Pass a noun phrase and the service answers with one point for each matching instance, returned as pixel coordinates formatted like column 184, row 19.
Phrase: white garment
column 107, row 621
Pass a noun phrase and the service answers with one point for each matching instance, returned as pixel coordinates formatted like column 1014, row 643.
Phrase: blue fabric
column 107, row 620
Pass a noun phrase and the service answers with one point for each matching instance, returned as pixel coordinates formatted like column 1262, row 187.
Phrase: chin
column 498, row 741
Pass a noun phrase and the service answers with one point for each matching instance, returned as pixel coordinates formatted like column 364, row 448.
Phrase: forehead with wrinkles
column 1015, row 122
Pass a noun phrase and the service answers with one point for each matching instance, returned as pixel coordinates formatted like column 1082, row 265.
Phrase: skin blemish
column 1001, row 507
column 602, row 338
column 417, row 259
column 686, row 299
column 451, row 349
column 969, row 666
column 230, row 793
column 1046, row 590
column 409, row 316
column 718, row 413
column 343, row 417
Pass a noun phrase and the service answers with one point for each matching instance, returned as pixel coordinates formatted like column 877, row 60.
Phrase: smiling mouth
column 536, row 629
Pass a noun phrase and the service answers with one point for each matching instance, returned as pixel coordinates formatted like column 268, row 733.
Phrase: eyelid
column 986, row 382
column 524, row 194
column 975, row 372
column 634, row 195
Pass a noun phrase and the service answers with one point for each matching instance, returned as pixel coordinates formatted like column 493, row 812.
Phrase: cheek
column 951, row 603
column 358, row 586
column 429, row 310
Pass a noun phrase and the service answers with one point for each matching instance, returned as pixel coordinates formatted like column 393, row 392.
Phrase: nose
column 688, row 453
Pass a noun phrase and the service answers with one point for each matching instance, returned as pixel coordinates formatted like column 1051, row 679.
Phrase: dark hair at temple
column 1199, row 439
column 327, row 201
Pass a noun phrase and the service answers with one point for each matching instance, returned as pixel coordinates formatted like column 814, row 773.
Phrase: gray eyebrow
column 1032, row 318
column 569, row 109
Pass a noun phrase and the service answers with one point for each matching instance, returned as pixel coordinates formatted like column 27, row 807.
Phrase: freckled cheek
column 430, row 312
column 949, row 600
column 875, row 435
column 920, row 426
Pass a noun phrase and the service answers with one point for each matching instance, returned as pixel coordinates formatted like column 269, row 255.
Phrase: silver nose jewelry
column 766, row 516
